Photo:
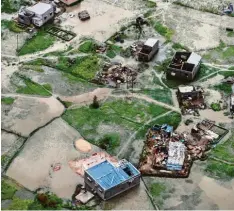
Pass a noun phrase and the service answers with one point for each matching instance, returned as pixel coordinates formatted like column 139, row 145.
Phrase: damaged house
column 108, row 179
column 149, row 49
column 184, row 66
column 37, row 14
column 190, row 97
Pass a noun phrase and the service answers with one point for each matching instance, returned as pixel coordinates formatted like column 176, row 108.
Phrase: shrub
column 95, row 103
column 109, row 142
column 7, row 100
column 88, row 47
column 215, row 106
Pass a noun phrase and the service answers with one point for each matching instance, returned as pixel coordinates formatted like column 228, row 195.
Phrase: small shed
column 109, row 180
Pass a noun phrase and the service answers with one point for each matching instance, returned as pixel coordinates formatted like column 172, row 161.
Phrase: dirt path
column 134, row 134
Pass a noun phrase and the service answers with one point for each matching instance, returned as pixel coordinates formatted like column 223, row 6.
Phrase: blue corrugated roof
column 167, row 128
column 108, row 176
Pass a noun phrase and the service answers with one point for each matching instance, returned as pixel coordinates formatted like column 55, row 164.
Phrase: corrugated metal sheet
column 108, row 176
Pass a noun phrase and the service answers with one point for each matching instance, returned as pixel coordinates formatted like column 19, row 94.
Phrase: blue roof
column 167, row 128
column 108, row 176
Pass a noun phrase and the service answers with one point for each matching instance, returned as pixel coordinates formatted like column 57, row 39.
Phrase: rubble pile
column 191, row 99
column 170, row 154
column 116, row 74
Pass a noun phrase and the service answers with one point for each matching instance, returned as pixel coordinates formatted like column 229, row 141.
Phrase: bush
column 88, row 47
column 7, row 100
column 109, row 142
column 19, row 204
column 11, row 25
column 215, row 106
column 7, row 7
column 156, row 189
column 48, row 200
column 95, row 103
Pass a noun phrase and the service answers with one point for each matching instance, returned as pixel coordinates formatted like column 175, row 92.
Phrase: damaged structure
column 190, row 98
column 184, row 66
column 149, row 49
column 37, row 14
column 108, row 180
column 232, row 103
column 170, row 154
column 116, row 74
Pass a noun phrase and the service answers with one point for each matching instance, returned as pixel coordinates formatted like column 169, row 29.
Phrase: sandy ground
column 27, row 114
column 105, row 19
column 51, row 144
column 216, row 116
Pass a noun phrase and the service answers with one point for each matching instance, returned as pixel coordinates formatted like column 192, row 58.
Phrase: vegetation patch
column 224, row 87
column 130, row 115
column 7, row 6
column 88, row 46
column 32, row 87
column 219, row 170
column 36, row 68
column 19, row 204
column 178, row 46
column 215, row 106
column 109, row 142
column 11, row 25
column 113, row 50
column 41, row 41
column 162, row 95
column 84, row 67
column 151, row 4
column 230, row 34
column 162, row 30
column 231, row 68
column 156, row 189
column 7, row 100
column 7, row 190
column 172, row 119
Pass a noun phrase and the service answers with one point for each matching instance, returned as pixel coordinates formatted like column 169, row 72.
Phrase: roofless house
column 184, row 66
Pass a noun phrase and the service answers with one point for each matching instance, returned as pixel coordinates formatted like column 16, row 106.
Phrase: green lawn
column 224, row 87
column 129, row 115
column 162, row 95
column 7, row 189
column 85, row 67
column 39, row 42
column 7, row 100
column 156, row 189
column 7, row 6
column 113, row 50
column 162, row 29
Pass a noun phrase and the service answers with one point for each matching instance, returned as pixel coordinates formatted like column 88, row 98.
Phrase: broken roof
column 107, row 175
column 194, row 59
column 40, row 8
column 151, row 42
column 185, row 89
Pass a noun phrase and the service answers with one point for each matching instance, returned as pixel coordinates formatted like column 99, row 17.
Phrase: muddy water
column 105, row 19
column 222, row 196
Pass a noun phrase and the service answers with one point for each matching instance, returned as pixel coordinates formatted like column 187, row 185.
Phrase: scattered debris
column 56, row 167
column 107, row 179
column 149, row 49
column 232, row 103
column 63, row 34
column 184, row 65
column 83, row 15
column 190, row 99
column 115, row 75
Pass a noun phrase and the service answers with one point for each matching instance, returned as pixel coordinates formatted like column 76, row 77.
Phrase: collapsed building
column 184, row 66
column 171, row 154
column 37, row 14
column 116, row 74
column 190, row 98
column 232, row 103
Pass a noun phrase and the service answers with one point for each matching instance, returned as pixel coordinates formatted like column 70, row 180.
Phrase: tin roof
column 151, row 42
column 194, row 59
column 40, row 8
column 185, row 89
column 107, row 175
